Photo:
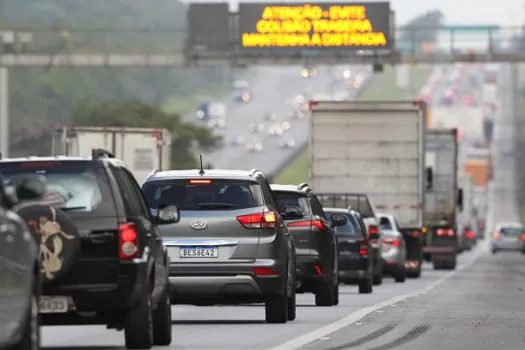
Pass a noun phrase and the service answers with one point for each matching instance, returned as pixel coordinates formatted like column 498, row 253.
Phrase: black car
column 230, row 244
column 356, row 261
column 315, row 241
column 101, row 256
column 19, row 279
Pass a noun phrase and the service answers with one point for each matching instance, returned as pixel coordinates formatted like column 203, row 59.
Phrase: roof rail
column 253, row 171
column 302, row 186
column 98, row 153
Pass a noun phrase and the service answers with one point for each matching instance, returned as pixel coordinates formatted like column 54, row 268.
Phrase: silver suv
column 229, row 244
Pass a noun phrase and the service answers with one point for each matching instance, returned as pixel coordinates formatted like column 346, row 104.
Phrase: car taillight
column 363, row 249
column 495, row 235
column 128, row 247
column 445, row 232
column 317, row 225
column 469, row 234
column 392, row 242
column 267, row 219
column 372, row 230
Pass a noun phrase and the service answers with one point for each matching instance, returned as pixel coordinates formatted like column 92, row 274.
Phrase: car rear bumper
column 309, row 267
column 499, row 245
column 352, row 267
column 200, row 281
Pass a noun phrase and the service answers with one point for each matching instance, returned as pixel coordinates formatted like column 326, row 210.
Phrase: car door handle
column 101, row 237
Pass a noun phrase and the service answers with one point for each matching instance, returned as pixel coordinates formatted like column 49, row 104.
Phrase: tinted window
column 351, row 227
column 81, row 188
column 217, row 195
column 512, row 231
column 385, row 223
column 293, row 199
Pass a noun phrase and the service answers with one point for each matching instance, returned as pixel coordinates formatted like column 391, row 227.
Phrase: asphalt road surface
column 273, row 90
column 478, row 306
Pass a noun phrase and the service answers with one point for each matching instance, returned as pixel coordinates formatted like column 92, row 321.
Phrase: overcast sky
column 502, row 12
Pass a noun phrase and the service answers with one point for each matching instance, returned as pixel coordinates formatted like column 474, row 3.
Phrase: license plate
column 53, row 304
column 199, row 252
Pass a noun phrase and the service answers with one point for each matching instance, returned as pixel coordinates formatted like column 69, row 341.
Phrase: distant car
column 286, row 143
column 309, row 72
column 315, row 241
column 217, row 123
column 356, row 263
column 297, row 114
column 469, row 237
column 237, row 140
column 257, row 128
column 275, row 130
column 19, row 278
column 393, row 251
column 242, row 91
column 230, row 244
column 508, row 236
column 253, row 146
column 271, row 116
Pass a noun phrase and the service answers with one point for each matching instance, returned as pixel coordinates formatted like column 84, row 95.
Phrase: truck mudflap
column 443, row 248
column 414, row 252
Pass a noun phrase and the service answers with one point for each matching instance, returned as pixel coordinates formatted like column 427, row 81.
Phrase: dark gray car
column 315, row 240
column 230, row 244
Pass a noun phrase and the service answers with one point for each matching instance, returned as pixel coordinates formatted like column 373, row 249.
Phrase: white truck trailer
column 142, row 149
column 375, row 148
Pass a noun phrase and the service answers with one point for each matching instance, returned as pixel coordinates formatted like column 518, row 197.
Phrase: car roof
column 508, row 224
column 113, row 161
column 337, row 210
column 208, row 174
column 283, row 188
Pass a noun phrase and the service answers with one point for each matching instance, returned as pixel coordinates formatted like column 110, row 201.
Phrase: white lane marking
column 355, row 316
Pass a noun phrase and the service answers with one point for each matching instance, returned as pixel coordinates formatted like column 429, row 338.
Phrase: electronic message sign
column 208, row 27
column 284, row 28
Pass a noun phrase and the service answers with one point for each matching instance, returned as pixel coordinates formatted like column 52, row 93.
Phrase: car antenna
column 201, row 171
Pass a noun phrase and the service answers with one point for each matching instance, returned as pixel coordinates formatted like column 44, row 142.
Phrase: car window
column 349, row 229
column 76, row 186
column 361, row 224
column 126, row 191
column 385, row 223
column 295, row 199
column 512, row 231
column 317, row 207
column 218, row 194
column 137, row 194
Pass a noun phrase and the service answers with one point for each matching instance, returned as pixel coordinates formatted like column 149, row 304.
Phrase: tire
column 378, row 279
column 494, row 251
column 400, row 276
column 450, row 264
column 292, row 303
column 413, row 273
column 336, row 294
column 324, row 295
column 365, row 286
column 438, row 264
column 276, row 309
column 30, row 336
column 162, row 320
column 138, row 323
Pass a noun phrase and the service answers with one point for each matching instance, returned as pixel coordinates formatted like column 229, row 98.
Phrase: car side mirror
column 167, row 214
column 292, row 213
column 338, row 220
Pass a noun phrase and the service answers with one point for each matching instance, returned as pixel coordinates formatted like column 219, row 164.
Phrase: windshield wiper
column 215, row 205
column 71, row 208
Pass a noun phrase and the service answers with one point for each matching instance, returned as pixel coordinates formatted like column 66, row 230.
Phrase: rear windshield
column 350, row 229
column 358, row 202
column 72, row 186
column 512, row 231
column 294, row 199
column 217, row 195
column 385, row 223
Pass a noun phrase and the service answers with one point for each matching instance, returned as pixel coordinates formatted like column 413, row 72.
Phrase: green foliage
column 40, row 98
column 423, row 28
column 139, row 114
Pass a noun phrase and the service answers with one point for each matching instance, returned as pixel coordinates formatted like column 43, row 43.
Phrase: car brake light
column 363, row 248
column 127, row 241
column 199, row 182
column 372, row 230
column 317, row 225
column 496, row 235
column 445, row 232
column 392, row 242
column 469, row 234
column 267, row 219
column 265, row 271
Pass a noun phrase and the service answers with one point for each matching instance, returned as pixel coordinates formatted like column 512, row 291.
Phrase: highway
column 273, row 90
column 478, row 306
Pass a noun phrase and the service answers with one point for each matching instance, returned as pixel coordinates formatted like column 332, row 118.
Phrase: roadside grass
column 382, row 86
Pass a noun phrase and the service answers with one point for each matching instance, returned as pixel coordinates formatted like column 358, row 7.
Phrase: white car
column 286, row 143
column 257, row 128
column 253, row 146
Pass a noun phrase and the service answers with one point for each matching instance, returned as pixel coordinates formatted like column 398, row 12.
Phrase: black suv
column 230, row 244
column 19, row 279
column 356, row 261
column 315, row 241
column 101, row 256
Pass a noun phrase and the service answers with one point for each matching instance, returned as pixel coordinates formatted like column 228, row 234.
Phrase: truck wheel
column 162, row 320
column 324, row 294
column 365, row 286
column 138, row 324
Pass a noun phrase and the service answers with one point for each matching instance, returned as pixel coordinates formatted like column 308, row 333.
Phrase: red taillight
column 128, row 248
column 265, row 271
column 522, row 236
column 481, row 225
column 372, row 230
column 445, row 232
column 392, row 242
column 267, row 219
column 469, row 234
column 318, row 269
column 317, row 225
column 363, row 248
column 496, row 235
